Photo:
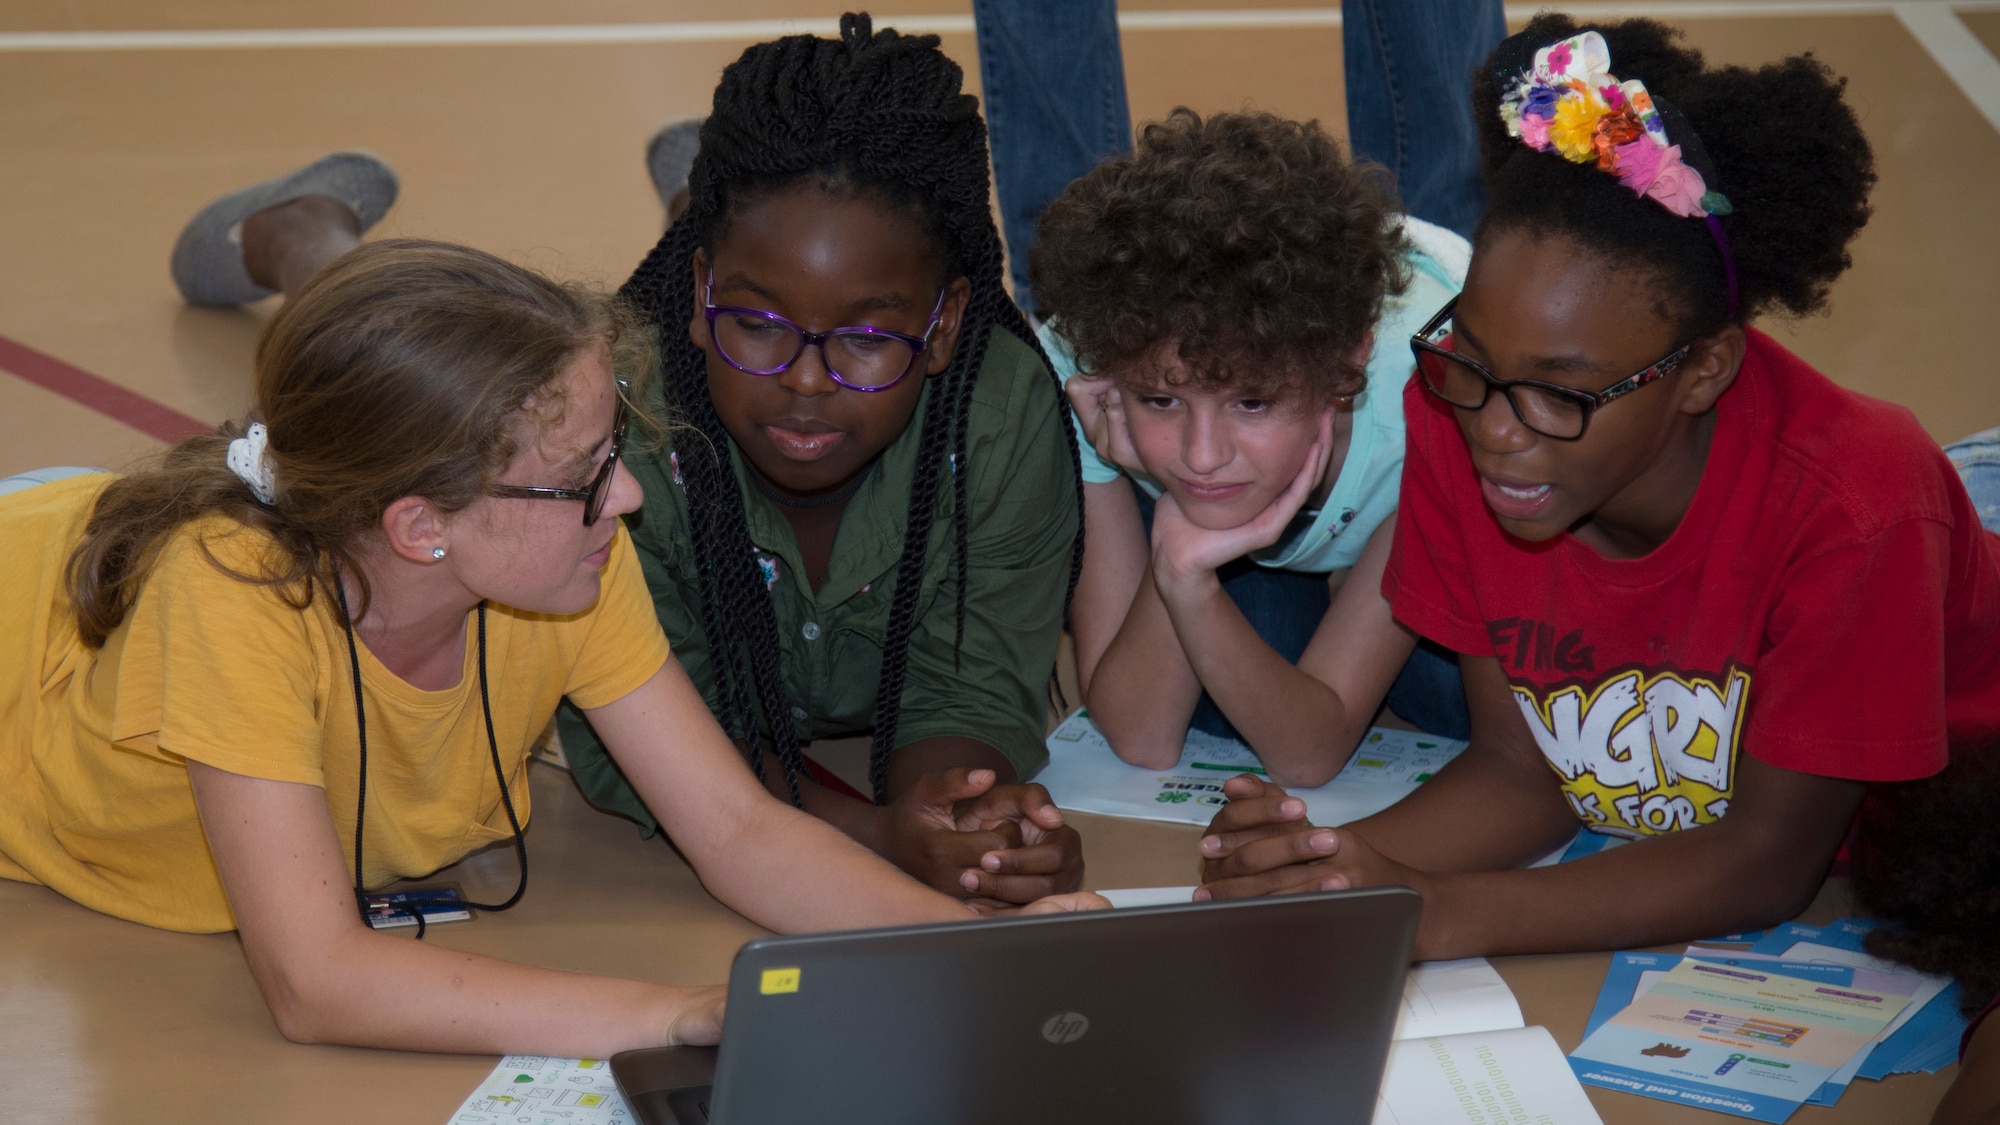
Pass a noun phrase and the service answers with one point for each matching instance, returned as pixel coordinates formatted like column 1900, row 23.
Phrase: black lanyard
column 415, row 906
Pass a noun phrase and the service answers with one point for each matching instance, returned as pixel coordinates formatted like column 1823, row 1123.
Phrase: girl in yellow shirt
column 380, row 589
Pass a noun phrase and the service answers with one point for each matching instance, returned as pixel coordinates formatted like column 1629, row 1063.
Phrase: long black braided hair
column 881, row 113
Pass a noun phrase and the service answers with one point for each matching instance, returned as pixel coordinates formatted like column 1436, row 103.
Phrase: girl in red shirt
column 1703, row 596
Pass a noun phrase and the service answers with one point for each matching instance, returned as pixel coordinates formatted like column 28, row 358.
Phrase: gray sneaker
column 208, row 258
column 670, row 156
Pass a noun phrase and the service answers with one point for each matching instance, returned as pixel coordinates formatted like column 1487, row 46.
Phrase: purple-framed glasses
column 859, row 358
column 1550, row 410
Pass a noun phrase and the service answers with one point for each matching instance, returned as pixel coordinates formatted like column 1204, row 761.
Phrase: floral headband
column 1569, row 102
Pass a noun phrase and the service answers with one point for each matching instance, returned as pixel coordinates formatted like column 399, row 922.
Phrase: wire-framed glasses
column 859, row 358
column 1550, row 410
column 592, row 494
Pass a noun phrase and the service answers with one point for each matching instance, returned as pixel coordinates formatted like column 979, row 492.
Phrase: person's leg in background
column 1977, row 459
column 1409, row 106
column 1054, row 80
column 271, row 237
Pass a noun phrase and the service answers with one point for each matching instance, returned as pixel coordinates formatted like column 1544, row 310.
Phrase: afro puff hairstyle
column 1786, row 149
column 1926, row 862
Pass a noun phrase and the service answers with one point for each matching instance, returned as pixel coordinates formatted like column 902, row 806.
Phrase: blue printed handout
column 1756, row 1039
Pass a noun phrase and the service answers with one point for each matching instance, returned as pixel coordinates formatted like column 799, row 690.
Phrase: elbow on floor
column 300, row 1017
column 299, row 1026
column 1309, row 776
column 1160, row 757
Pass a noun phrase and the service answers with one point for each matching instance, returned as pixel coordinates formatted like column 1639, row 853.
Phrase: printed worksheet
column 1736, row 1038
column 1870, row 975
column 1926, row 1041
column 1121, row 897
column 1454, row 997
column 1480, row 1078
column 535, row 1090
column 1084, row 774
column 1633, row 973
column 1920, row 986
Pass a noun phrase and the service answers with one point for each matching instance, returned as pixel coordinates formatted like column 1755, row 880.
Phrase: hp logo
column 1065, row 1027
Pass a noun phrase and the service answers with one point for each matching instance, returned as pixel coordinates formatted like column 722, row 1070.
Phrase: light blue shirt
column 1365, row 492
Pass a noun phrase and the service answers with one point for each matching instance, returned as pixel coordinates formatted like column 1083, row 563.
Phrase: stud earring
column 437, row 553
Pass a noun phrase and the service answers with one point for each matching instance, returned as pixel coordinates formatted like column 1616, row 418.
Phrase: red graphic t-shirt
column 1829, row 603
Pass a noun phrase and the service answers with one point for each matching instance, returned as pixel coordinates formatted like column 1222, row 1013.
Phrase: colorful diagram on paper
column 537, row 1090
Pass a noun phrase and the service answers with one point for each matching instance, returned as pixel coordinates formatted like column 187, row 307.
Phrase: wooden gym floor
column 522, row 135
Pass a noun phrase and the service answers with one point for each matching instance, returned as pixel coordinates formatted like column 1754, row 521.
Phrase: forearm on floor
column 914, row 760
column 1481, row 812
column 859, row 817
column 1112, row 568
column 860, row 820
column 783, row 869
column 381, row 990
column 1679, row 887
column 1301, row 729
column 1144, row 692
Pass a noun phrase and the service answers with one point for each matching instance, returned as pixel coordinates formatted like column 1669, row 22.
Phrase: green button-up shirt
column 1022, row 494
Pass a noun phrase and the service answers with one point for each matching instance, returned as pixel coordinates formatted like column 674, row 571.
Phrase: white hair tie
column 250, row 460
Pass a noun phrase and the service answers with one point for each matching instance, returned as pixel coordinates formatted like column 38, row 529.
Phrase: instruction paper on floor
column 1084, row 774
column 1738, row 1038
column 1478, row 1078
column 538, row 1090
column 1461, row 1054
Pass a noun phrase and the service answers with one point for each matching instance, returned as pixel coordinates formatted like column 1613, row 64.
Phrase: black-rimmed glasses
column 859, row 358
column 599, row 487
column 1550, row 410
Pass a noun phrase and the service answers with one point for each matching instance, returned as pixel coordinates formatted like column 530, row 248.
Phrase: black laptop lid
column 1267, row 1010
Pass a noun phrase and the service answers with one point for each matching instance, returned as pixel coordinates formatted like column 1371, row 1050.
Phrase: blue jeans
column 1977, row 459
column 1055, row 105
column 1979, row 465
column 1286, row 607
column 1054, row 79
column 1409, row 98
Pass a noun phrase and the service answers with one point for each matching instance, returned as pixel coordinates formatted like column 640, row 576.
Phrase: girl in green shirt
column 866, row 520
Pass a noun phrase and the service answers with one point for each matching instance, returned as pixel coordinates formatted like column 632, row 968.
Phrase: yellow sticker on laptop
column 777, row 981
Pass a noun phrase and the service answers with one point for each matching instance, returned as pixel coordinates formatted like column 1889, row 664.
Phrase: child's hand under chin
column 1186, row 555
column 1101, row 410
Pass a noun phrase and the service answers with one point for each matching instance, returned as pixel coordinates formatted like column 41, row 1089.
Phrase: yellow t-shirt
column 94, row 794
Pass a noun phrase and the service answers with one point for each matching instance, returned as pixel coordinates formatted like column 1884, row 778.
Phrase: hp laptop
column 1264, row 1011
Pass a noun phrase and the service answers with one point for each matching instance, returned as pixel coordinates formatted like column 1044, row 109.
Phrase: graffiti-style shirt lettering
column 1826, row 604
column 1642, row 754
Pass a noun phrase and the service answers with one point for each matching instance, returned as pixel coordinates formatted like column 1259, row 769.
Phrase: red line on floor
column 99, row 394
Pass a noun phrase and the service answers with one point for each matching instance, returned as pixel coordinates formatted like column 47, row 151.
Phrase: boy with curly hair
column 1230, row 306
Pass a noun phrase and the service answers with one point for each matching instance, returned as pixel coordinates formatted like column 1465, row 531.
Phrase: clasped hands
column 999, row 846
column 1262, row 844
column 995, row 846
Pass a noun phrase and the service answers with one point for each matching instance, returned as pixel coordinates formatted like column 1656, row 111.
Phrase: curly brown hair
column 1926, row 861
column 1248, row 241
